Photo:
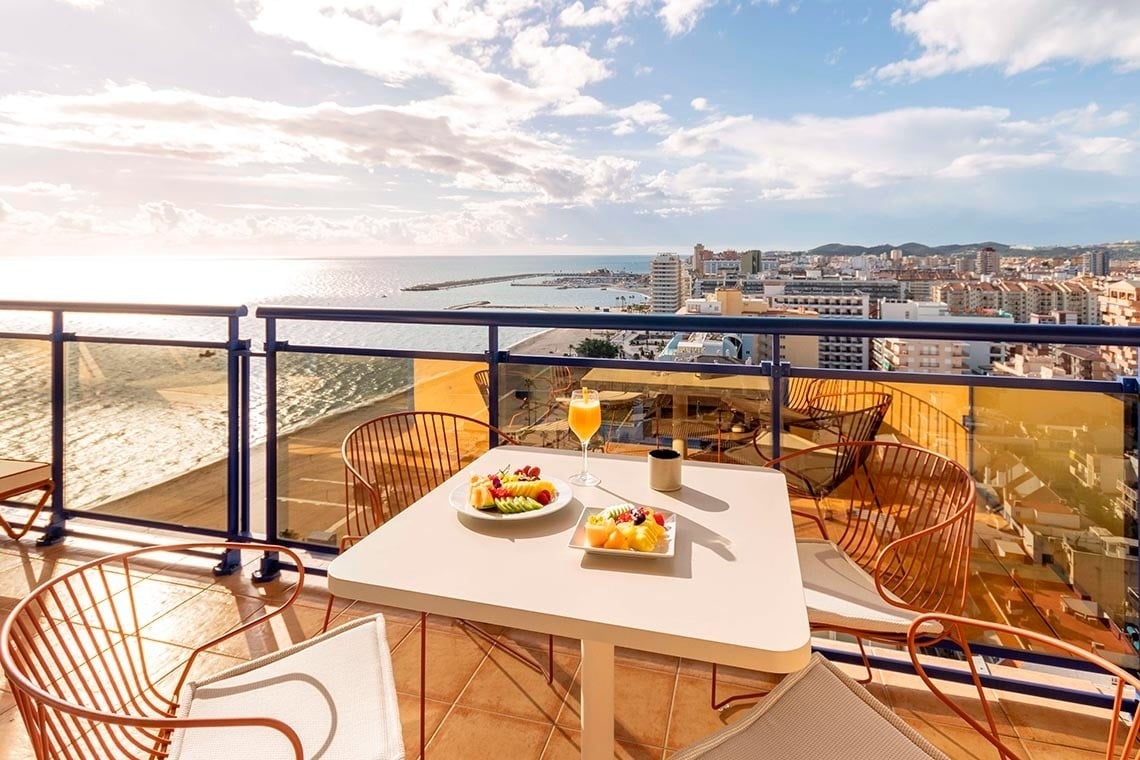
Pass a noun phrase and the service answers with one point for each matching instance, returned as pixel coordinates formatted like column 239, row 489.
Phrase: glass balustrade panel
column 146, row 432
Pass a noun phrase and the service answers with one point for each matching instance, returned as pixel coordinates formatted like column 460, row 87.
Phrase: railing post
column 270, row 566
column 56, row 527
column 236, row 466
column 493, row 381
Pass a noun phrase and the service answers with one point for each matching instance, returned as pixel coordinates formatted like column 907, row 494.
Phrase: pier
column 475, row 281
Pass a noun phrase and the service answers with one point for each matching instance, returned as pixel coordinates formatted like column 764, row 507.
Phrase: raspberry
column 543, row 497
column 659, row 519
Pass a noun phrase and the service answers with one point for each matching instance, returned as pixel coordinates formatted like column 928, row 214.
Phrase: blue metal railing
column 237, row 406
column 777, row 371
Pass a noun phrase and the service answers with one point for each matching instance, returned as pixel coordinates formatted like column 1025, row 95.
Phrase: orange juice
column 585, row 416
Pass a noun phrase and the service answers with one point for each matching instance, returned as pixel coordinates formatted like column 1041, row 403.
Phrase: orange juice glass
column 585, row 417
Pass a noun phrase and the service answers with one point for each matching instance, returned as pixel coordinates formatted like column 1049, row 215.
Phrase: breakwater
column 449, row 284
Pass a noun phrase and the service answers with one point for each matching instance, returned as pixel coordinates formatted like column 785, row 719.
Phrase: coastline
column 311, row 500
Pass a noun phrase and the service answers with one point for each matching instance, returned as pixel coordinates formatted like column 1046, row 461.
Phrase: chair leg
column 328, row 613
column 423, row 686
column 722, row 704
column 547, row 672
column 866, row 663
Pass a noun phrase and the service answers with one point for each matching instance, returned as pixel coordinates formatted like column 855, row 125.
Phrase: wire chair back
column 483, row 383
column 392, row 461
column 908, row 521
column 89, row 679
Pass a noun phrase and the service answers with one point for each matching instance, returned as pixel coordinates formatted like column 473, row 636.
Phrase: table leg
column 597, row 700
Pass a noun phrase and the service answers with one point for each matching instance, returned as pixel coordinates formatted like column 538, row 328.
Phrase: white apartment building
column 1021, row 299
column 666, row 283
column 1120, row 306
column 956, row 357
column 835, row 351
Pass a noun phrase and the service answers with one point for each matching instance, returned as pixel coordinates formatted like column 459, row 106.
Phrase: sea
column 138, row 415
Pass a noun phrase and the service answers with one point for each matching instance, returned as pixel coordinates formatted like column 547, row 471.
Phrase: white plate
column 663, row 548
column 563, row 496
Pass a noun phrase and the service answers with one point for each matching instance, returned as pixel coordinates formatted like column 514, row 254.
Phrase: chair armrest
column 954, row 628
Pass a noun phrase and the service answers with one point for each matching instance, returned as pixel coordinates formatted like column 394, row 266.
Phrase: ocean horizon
column 180, row 391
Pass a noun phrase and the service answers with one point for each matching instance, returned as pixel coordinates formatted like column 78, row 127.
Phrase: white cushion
column 839, row 593
column 336, row 691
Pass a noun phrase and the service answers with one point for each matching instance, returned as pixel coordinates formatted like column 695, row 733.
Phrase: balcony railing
column 322, row 369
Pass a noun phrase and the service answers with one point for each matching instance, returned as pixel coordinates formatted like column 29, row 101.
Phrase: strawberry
column 659, row 519
column 500, row 493
column 625, row 517
column 543, row 497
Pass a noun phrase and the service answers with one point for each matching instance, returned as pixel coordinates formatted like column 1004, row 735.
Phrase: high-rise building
column 931, row 355
column 1096, row 263
column 989, row 261
column 666, row 289
column 750, row 262
column 700, row 253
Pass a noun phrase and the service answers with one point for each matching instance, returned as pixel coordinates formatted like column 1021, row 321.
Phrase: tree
column 597, row 348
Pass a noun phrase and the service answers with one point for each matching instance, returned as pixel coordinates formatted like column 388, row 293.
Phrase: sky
column 372, row 127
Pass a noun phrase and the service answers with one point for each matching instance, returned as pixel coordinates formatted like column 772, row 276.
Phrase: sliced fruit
column 598, row 532
column 616, row 540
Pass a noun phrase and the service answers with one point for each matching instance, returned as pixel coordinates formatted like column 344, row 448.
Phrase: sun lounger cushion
column 336, row 691
column 818, row 712
column 839, row 593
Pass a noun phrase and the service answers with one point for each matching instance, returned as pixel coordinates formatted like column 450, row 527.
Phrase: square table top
column 731, row 594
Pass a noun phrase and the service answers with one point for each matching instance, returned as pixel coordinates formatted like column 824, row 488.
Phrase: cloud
column 6, row 210
column 680, row 16
column 602, row 12
column 643, row 113
column 808, row 157
column 959, row 35
column 42, row 189
column 699, row 104
column 234, row 132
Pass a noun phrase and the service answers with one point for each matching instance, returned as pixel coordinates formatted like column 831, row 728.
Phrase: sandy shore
column 310, row 470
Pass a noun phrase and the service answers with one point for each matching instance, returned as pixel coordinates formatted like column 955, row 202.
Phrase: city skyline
column 563, row 127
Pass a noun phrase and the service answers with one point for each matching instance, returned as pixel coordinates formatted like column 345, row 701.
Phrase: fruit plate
column 563, row 496
column 663, row 549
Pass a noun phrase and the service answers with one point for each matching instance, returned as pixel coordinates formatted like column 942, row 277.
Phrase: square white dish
column 664, row 548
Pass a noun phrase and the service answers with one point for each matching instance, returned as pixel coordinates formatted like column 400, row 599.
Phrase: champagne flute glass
column 585, row 418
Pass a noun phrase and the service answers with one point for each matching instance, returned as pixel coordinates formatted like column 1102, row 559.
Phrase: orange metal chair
column 96, row 674
column 483, row 383
column 1122, row 731
column 19, row 477
column 390, row 463
column 898, row 547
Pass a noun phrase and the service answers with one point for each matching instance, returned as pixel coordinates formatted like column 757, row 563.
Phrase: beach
column 310, row 469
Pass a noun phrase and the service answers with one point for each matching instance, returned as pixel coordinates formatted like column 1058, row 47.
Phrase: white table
column 731, row 595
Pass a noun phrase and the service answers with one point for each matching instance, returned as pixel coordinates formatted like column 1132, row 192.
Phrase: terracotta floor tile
column 14, row 744
column 204, row 616
column 566, row 744
column 475, row 735
column 692, row 716
column 536, row 640
column 961, row 742
column 642, row 699
column 410, row 721
column 1039, row 751
column 648, row 660
column 451, row 661
column 504, row 685
column 908, row 696
column 294, row 625
column 1046, row 722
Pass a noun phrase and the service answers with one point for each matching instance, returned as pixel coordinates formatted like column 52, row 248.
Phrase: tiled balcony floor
column 482, row 703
